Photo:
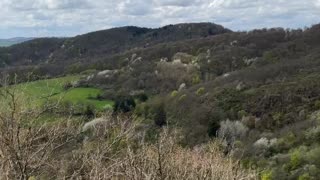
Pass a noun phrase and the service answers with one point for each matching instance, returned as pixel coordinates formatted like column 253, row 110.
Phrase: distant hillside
column 101, row 43
column 12, row 41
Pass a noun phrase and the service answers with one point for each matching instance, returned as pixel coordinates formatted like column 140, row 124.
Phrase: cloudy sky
column 35, row 18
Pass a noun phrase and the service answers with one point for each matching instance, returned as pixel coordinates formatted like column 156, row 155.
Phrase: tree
column 124, row 104
column 160, row 117
column 25, row 147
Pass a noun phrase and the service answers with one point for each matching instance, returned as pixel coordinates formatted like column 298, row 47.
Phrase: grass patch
column 52, row 89
column 45, row 88
column 85, row 96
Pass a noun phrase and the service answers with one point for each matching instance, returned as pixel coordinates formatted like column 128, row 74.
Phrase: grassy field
column 53, row 89
column 85, row 96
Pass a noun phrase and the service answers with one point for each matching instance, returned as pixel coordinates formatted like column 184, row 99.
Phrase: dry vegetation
column 111, row 149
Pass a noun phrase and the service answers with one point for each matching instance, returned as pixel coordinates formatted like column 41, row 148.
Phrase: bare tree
column 25, row 146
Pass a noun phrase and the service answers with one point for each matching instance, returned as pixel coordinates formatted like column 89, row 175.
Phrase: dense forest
column 255, row 95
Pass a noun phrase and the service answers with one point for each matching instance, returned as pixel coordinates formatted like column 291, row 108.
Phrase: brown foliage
column 112, row 149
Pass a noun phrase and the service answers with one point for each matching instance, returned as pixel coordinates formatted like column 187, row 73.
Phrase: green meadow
column 53, row 89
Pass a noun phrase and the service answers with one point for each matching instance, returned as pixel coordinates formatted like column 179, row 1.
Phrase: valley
column 184, row 91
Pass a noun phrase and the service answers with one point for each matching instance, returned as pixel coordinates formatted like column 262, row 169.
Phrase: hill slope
column 12, row 41
column 258, row 91
column 101, row 43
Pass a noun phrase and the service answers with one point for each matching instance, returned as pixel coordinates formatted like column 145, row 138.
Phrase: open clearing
column 53, row 89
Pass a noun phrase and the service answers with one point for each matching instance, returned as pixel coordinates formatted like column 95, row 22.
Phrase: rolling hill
column 257, row 91
column 102, row 43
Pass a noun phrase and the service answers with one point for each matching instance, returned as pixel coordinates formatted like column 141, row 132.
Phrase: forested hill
column 101, row 43
column 258, row 91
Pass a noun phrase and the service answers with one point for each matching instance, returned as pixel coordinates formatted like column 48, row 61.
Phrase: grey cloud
column 181, row 3
column 135, row 7
column 22, row 5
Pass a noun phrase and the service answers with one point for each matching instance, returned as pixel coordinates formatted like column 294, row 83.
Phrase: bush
column 313, row 156
column 317, row 104
column 296, row 158
column 182, row 97
column 313, row 134
column 124, row 104
column 89, row 111
column 200, row 91
column 196, row 79
column 174, row 93
column 266, row 175
column 305, row 176
column 67, row 86
column 232, row 131
column 142, row 97
column 160, row 117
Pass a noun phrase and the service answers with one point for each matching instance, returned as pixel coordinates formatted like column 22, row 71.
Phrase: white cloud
column 71, row 17
column 181, row 3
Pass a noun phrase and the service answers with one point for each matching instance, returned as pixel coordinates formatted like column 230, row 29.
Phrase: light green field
column 52, row 89
column 45, row 88
column 85, row 96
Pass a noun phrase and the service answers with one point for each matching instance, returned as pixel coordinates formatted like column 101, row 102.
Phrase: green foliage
column 313, row 156
column 182, row 97
column 286, row 142
column 230, row 100
column 305, row 176
column 296, row 158
column 313, row 134
column 174, row 93
column 266, row 175
column 141, row 110
column 200, row 91
column 317, row 104
column 196, row 79
column 277, row 118
column 242, row 113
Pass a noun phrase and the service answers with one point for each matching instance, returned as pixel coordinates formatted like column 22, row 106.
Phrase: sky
column 64, row 18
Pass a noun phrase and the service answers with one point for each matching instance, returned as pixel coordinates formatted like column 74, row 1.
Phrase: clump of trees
column 124, row 104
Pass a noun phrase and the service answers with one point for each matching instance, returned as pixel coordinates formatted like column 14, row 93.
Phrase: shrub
column 313, row 134
column 182, row 97
column 262, row 143
column 266, row 175
column 296, row 158
column 214, row 122
column 305, row 176
column 313, row 156
column 242, row 113
column 231, row 131
column 124, row 104
column 67, row 86
column 174, row 93
column 249, row 121
column 196, row 79
column 160, row 117
column 317, row 104
column 89, row 111
column 142, row 97
column 200, row 91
